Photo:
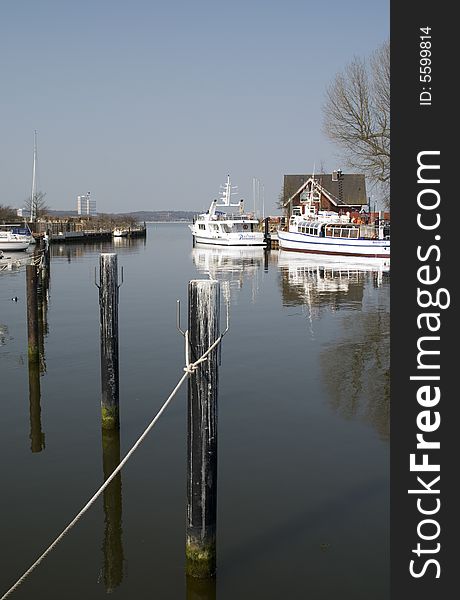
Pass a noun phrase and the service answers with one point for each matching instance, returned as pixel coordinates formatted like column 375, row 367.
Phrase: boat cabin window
column 340, row 231
column 214, row 227
column 310, row 228
column 201, row 226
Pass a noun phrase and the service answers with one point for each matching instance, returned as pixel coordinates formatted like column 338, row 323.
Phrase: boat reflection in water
column 319, row 281
column 355, row 366
column 230, row 264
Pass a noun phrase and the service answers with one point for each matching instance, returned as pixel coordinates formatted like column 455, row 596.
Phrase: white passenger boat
column 326, row 232
column 219, row 228
column 15, row 237
column 120, row 233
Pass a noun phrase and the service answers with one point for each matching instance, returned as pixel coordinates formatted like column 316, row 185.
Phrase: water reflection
column 37, row 437
column 119, row 243
column 356, row 364
column 201, row 589
column 113, row 543
column 357, row 370
column 38, row 367
column 231, row 265
column 326, row 283
column 4, row 334
column 76, row 250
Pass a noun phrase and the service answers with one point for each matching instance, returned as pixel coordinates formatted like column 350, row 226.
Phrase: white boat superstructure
column 221, row 228
column 15, row 237
column 326, row 232
column 120, row 233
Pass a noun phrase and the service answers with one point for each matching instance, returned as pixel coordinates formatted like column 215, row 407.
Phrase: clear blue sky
column 149, row 104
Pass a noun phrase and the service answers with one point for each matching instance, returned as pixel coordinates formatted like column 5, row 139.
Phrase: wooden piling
column 267, row 236
column 32, row 312
column 203, row 327
column 42, row 299
column 108, row 302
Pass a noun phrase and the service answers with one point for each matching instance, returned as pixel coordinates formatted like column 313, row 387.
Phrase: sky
column 149, row 104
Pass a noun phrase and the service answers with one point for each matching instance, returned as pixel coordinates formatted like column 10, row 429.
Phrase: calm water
column 303, row 429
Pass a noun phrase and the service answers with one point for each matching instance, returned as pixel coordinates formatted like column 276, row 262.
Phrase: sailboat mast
column 33, row 198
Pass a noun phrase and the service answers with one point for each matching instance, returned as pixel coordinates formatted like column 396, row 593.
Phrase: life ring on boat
column 245, row 226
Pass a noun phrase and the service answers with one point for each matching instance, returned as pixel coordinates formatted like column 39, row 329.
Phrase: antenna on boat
column 227, row 192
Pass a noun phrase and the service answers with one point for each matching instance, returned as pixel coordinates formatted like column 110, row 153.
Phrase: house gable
column 349, row 191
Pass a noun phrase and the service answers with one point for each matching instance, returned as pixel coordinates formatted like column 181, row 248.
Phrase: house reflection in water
column 356, row 365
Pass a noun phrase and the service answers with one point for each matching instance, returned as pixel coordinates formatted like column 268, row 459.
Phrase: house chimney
column 340, row 180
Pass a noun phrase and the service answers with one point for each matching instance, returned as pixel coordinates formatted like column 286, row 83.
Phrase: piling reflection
column 37, row 314
column 113, row 543
column 356, row 366
column 201, row 589
column 37, row 437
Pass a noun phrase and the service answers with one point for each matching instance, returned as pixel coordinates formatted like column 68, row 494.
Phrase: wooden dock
column 86, row 236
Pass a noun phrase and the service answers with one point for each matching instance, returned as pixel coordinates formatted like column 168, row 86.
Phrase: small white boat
column 326, row 232
column 120, row 233
column 219, row 228
column 15, row 237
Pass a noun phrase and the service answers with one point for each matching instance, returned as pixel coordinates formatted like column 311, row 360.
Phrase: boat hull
column 13, row 245
column 236, row 239
column 300, row 242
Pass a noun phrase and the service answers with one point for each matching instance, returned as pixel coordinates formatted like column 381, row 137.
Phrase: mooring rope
column 20, row 265
column 188, row 370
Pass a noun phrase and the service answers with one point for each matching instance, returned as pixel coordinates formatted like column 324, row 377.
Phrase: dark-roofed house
column 337, row 191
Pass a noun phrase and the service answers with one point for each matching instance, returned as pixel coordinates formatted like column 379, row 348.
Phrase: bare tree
column 40, row 204
column 357, row 116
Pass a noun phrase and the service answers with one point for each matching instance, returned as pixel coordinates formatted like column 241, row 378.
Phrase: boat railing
column 234, row 217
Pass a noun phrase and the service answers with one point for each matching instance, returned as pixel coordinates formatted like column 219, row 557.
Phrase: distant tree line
column 7, row 213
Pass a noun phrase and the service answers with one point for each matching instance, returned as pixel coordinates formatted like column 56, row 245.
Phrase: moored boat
column 326, row 232
column 219, row 228
column 120, row 233
column 15, row 237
